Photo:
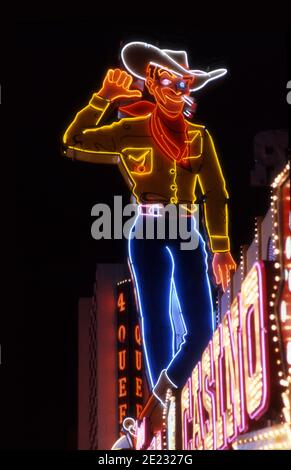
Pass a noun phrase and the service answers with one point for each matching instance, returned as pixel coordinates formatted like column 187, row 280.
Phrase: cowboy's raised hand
column 117, row 85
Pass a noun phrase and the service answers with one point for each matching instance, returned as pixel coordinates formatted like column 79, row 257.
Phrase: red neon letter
column 208, row 396
column 138, row 360
column 187, row 415
column 121, row 333
column 122, row 387
column 220, row 389
column 121, row 302
column 122, row 359
column 235, row 410
column 122, row 412
column 137, row 335
column 254, row 312
column 198, row 418
column 138, row 385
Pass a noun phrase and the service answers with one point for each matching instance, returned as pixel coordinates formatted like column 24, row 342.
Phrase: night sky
column 60, row 64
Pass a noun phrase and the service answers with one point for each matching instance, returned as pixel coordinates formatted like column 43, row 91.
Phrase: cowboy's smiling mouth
column 172, row 96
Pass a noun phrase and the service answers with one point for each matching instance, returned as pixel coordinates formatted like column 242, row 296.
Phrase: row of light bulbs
column 123, row 282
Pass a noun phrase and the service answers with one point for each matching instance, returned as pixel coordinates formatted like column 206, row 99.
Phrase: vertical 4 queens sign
column 130, row 378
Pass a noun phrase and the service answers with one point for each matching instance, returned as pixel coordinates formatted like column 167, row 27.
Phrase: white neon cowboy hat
column 137, row 55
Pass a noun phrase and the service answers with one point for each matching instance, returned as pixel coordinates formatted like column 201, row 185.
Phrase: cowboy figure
column 164, row 159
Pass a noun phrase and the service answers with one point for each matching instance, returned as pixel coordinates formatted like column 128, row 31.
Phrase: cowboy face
column 168, row 89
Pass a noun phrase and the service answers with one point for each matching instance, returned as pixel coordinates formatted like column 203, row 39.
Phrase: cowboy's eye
column 165, row 82
column 181, row 85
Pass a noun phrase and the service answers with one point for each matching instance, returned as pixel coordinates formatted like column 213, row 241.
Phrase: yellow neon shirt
column 150, row 175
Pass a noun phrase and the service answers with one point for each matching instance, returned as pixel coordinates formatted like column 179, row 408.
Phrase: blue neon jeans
column 157, row 265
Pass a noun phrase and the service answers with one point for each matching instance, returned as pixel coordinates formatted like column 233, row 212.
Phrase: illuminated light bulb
column 277, row 265
column 276, row 251
column 280, row 374
column 278, row 361
column 273, row 295
column 275, row 198
column 275, row 287
column 289, row 280
column 283, row 311
column 276, row 350
column 275, row 339
column 271, row 304
column 273, row 327
column 284, row 383
column 272, row 316
column 277, row 278
column 289, row 370
column 276, row 237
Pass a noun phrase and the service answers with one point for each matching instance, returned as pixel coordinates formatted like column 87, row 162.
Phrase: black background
column 59, row 64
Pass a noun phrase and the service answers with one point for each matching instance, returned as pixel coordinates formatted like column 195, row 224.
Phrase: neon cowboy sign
column 165, row 160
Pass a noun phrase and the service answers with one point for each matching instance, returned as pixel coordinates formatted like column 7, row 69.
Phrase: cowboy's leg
column 152, row 270
column 193, row 290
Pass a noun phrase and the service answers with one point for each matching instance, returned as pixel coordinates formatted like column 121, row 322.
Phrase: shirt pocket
column 138, row 160
column 195, row 141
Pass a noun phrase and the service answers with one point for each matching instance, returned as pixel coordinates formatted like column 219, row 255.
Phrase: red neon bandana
column 140, row 108
column 169, row 134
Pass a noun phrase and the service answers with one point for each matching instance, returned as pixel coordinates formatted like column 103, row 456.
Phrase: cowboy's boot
column 156, row 403
column 161, row 387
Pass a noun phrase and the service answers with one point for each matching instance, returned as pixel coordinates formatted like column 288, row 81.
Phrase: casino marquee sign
column 238, row 396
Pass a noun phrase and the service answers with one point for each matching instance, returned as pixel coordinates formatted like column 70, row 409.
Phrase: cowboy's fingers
column 127, row 81
column 109, row 75
column 122, row 78
column 116, row 74
column 225, row 276
column 217, row 273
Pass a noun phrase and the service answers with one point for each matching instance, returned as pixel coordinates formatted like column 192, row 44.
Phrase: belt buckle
column 151, row 209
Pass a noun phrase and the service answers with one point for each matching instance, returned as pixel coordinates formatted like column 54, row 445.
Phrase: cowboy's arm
column 213, row 187
column 216, row 212
column 85, row 139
